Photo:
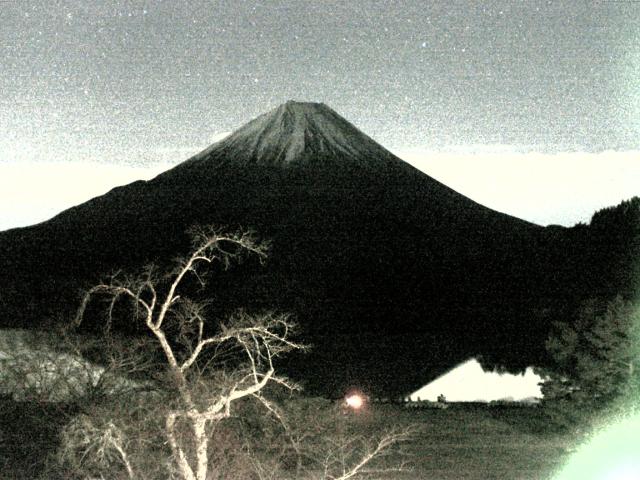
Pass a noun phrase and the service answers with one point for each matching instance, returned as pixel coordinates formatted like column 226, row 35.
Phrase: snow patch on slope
column 297, row 133
column 469, row 382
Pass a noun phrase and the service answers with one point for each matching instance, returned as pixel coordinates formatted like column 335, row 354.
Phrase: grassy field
column 481, row 443
column 463, row 442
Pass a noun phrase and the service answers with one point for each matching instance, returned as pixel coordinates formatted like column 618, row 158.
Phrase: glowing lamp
column 354, row 401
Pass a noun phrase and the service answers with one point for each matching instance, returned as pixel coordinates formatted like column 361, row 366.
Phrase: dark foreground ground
column 463, row 442
column 473, row 442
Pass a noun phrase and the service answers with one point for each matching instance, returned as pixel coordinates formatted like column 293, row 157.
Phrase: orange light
column 354, row 401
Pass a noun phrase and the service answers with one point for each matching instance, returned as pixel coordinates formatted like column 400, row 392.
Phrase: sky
column 529, row 107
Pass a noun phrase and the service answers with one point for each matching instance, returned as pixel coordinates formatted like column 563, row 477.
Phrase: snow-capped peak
column 298, row 133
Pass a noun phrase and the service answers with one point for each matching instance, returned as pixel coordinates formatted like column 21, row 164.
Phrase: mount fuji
column 393, row 276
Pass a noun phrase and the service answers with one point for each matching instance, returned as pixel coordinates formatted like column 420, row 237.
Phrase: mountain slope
column 297, row 133
column 393, row 276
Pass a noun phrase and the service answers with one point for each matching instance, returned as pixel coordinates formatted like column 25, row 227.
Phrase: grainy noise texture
column 149, row 80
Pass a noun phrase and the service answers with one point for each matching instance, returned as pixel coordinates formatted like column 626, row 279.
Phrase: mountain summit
column 300, row 134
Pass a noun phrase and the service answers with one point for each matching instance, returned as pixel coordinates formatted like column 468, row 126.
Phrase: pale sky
column 551, row 188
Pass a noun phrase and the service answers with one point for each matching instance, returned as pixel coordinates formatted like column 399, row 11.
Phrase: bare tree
column 240, row 352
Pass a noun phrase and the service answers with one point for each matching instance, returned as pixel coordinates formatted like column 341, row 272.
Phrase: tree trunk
column 181, row 459
column 199, row 424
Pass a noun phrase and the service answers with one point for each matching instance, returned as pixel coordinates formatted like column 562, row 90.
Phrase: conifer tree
column 596, row 363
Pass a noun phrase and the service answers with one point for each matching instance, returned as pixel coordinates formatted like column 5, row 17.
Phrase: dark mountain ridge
column 393, row 276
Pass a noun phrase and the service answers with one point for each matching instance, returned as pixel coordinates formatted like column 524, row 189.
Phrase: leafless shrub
column 95, row 448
